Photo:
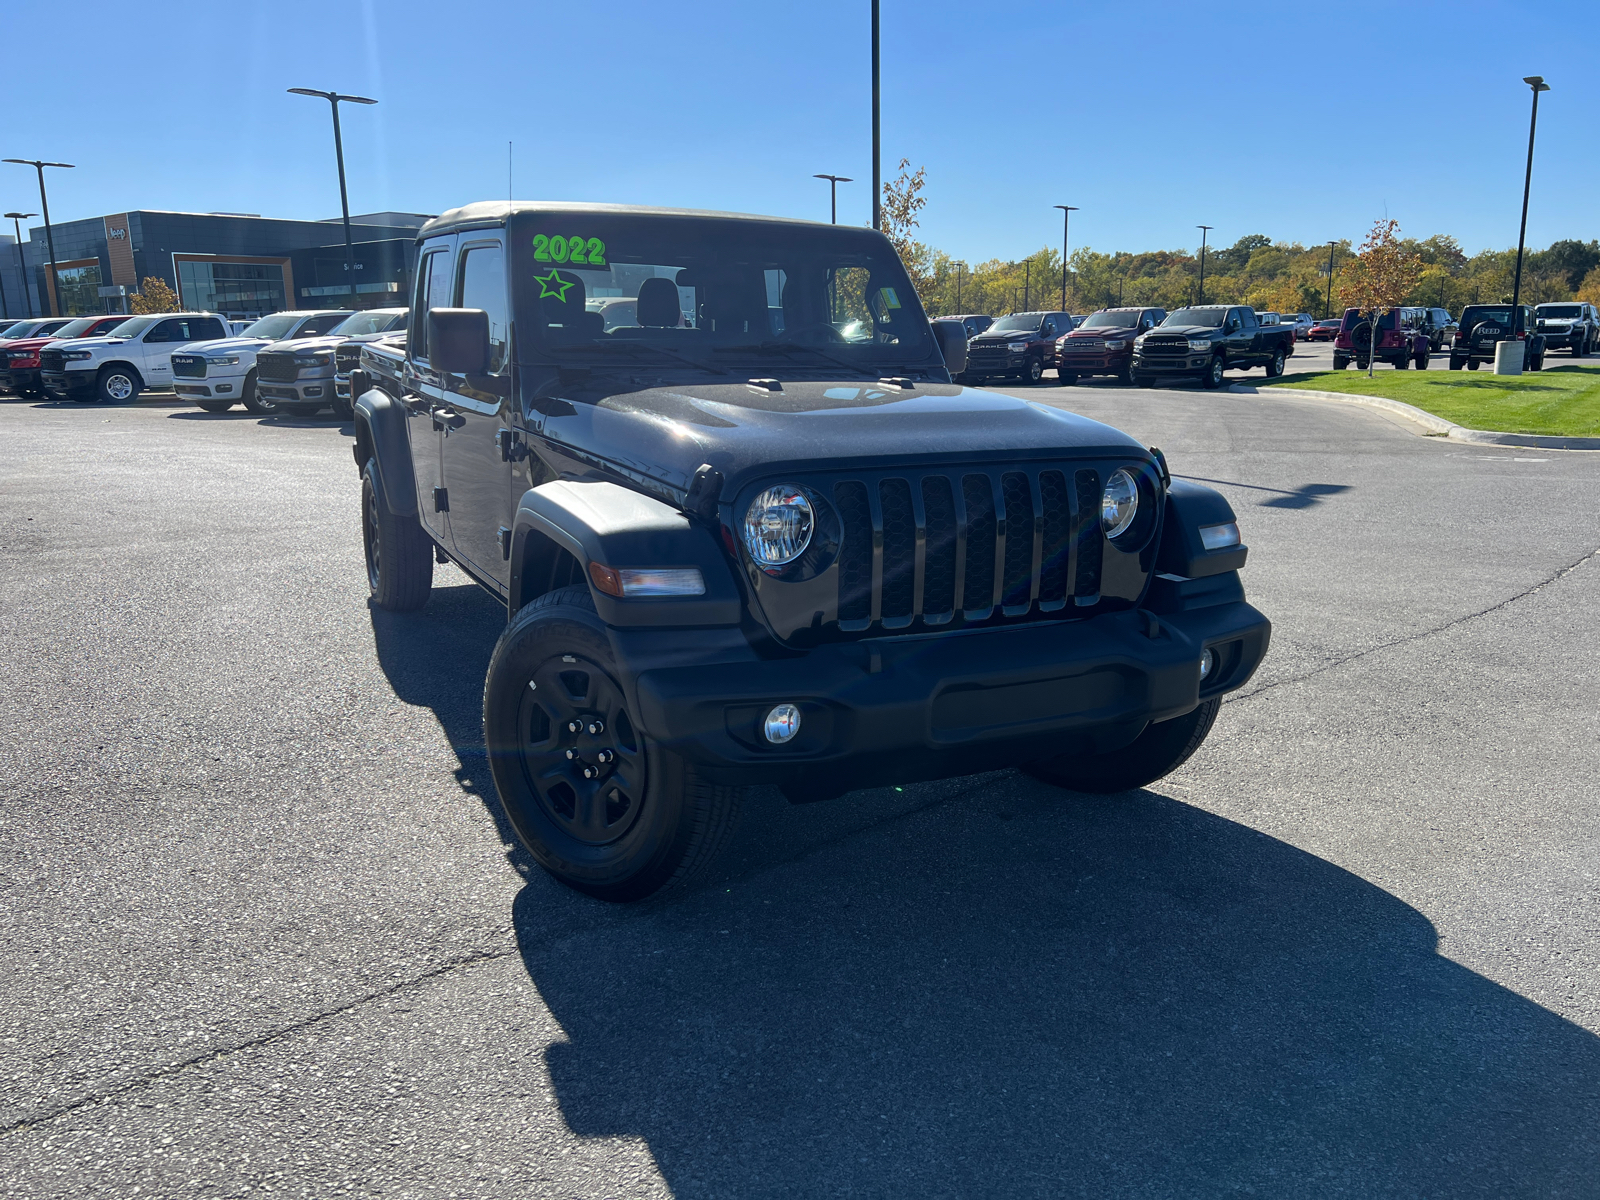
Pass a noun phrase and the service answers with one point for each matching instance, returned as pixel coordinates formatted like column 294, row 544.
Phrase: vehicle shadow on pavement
column 1304, row 496
column 1026, row 992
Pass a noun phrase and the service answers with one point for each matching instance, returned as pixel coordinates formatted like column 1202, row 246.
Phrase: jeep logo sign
column 117, row 235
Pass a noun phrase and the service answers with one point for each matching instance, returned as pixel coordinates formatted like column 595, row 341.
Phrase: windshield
column 1016, row 322
column 712, row 291
column 133, row 327
column 1565, row 311
column 274, row 328
column 76, row 328
column 1208, row 318
column 1111, row 320
column 360, row 324
column 20, row 329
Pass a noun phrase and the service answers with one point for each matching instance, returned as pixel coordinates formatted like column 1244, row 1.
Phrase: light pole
column 1327, row 301
column 958, row 287
column 833, row 193
column 16, row 220
column 1537, row 83
column 49, row 238
column 877, row 180
column 333, row 99
column 1066, row 215
column 1204, row 229
column 1027, row 284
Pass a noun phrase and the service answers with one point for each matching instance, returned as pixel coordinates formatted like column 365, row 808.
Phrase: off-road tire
column 117, row 385
column 1158, row 751
column 1275, row 366
column 1422, row 359
column 1455, row 363
column 1066, row 378
column 676, row 822
column 1402, row 363
column 1580, row 347
column 214, row 406
column 1341, row 362
column 1472, row 364
column 1212, row 379
column 256, row 404
column 399, row 554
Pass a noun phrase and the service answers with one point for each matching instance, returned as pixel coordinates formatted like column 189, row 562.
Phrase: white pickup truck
column 136, row 358
column 217, row 375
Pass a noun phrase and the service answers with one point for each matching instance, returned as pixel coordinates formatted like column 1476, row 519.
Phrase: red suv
column 1103, row 344
column 20, row 356
column 1400, row 340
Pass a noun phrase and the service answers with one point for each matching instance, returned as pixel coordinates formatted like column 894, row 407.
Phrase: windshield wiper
column 791, row 349
column 648, row 347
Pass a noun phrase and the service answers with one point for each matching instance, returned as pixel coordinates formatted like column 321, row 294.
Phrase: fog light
column 782, row 723
column 1208, row 662
column 224, row 387
column 313, row 391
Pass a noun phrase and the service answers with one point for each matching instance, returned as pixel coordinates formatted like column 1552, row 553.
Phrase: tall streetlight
column 49, row 238
column 1327, row 301
column 1066, row 215
column 1204, row 229
column 1027, row 284
column 833, row 193
column 1537, row 83
column 333, row 99
column 16, row 220
column 958, row 287
column 877, row 173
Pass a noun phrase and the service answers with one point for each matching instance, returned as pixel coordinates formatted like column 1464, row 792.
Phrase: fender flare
column 1190, row 506
column 613, row 526
column 381, row 436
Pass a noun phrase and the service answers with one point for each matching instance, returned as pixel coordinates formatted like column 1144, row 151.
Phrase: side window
column 166, row 331
column 206, row 329
column 318, row 326
column 433, row 290
column 483, row 285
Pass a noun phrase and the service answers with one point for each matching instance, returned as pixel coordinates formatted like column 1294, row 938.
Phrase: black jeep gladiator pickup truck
column 758, row 536
column 1205, row 342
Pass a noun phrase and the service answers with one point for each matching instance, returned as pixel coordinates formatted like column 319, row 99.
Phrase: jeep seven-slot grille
column 188, row 366
column 1015, row 540
column 278, row 367
column 51, row 360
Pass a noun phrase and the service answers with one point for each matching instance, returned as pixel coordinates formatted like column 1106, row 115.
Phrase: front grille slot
column 280, row 368
column 926, row 547
column 1166, row 346
column 188, row 366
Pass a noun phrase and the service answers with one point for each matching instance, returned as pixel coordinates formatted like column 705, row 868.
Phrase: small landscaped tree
column 154, row 296
column 1380, row 277
column 902, row 201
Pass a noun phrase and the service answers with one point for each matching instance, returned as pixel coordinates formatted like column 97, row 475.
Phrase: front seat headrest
column 658, row 303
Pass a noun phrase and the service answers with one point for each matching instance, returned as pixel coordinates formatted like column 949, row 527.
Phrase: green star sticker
column 553, row 285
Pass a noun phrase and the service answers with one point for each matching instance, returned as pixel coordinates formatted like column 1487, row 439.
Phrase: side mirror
column 952, row 339
column 458, row 340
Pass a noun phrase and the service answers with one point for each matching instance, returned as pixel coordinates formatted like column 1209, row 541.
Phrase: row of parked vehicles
column 295, row 362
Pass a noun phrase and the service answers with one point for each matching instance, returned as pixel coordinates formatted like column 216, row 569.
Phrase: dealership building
column 237, row 264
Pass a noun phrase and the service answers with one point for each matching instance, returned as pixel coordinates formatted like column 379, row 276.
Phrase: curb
column 1436, row 426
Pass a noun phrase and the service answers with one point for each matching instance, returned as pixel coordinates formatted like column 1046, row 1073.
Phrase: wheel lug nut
column 591, row 772
column 574, row 726
column 572, row 755
column 605, row 756
column 597, row 726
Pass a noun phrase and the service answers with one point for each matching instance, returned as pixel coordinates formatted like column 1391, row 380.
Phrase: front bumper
column 1171, row 364
column 67, row 383
column 219, row 387
column 890, row 710
column 302, row 391
column 1095, row 364
column 22, row 379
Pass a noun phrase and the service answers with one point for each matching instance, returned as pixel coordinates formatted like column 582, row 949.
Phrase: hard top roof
column 495, row 212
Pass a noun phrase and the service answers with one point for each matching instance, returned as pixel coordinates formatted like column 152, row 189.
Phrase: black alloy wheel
column 1212, row 379
column 1125, row 377
column 1035, row 371
column 1401, row 363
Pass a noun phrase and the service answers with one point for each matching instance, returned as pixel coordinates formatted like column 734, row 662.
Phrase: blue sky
column 1150, row 118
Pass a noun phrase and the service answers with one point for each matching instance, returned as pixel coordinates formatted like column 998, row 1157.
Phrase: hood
column 1010, row 335
column 1106, row 331
column 33, row 343
column 310, row 345
column 221, row 345
column 665, row 433
column 91, row 343
column 1187, row 330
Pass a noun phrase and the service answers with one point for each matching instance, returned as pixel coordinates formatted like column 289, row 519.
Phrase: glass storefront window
column 237, row 289
column 79, row 291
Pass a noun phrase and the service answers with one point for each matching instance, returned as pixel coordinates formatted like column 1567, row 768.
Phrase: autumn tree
column 1589, row 289
column 902, row 201
column 154, row 296
column 1380, row 277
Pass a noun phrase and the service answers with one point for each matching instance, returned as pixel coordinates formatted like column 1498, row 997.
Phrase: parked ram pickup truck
column 217, row 375
column 1018, row 346
column 300, row 378
column 135, row 357
column 1204, row 342
column 742, row 546
column 1102, row 344
column 21, row 355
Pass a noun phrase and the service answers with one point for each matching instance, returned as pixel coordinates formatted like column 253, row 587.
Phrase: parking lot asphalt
column 262, row 931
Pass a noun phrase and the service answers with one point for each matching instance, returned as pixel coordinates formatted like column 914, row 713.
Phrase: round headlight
column 778, row 526
column 1118, row 503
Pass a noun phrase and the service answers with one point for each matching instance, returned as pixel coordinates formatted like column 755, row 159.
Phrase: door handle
column 512, row 447
column 447, row 418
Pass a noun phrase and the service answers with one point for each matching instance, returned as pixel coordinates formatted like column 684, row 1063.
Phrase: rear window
column 1353, row 317
column 1498, row 314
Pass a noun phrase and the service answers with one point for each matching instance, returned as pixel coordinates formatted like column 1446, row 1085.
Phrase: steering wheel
column 808, row 333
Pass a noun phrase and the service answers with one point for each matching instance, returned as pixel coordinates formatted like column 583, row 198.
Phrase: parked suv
column 1020, row 345
column 1400, row 340
column 1204, row 342
column 299, row 378
column 973, row 323
column 1483, row 326
column 22, row 354
column 1571, row 327
column 1439, row 325
column 1103, row 344
column 219, row 374
column 733, row 556
column 135, row 357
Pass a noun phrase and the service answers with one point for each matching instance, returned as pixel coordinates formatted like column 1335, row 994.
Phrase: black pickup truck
column 1017, row 346
column 1204, row 342
column 758, row 536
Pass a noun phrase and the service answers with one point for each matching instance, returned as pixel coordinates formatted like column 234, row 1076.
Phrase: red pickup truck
column 1103, row 344
column 21, row 355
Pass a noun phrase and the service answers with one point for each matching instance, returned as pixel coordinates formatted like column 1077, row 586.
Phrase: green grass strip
column 1562, row 401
